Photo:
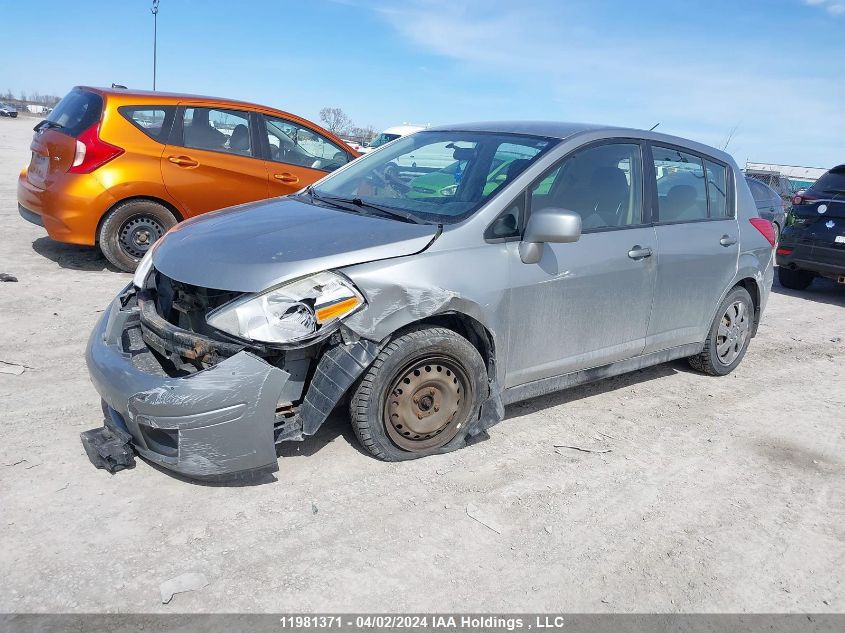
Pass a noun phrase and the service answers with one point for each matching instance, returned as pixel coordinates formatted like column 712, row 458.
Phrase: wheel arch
column 165, row 203
column 466, row 326
column 750, row 284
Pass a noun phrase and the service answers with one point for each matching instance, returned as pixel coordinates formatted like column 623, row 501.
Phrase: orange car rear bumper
column 70, row 209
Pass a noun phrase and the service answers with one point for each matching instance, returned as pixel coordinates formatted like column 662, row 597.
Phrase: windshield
column 381, row 139
column 439, row 177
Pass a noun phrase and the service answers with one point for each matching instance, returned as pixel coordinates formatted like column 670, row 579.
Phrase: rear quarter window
column 78, row 111
column 154, row 121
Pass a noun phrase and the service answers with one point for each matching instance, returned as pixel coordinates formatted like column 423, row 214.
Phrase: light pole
column 155, row 38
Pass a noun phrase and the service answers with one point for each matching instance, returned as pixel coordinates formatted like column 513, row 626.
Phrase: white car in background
column 390, row 134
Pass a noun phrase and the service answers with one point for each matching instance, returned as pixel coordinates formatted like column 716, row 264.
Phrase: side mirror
column 548, row 225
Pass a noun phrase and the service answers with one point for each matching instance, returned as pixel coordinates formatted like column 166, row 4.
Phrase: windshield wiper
column 357, row 204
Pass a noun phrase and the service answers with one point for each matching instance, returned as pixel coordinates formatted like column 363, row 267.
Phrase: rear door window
column 217, row 130
column 78, row 111
column 681, row 186
column 154, row 121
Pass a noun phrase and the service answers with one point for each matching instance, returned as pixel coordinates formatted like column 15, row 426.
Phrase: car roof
column 143, row 97
column 403, row 129
column 565, row 130
column 166, row 96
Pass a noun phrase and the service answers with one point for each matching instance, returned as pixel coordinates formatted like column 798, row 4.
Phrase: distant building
column 800, row 177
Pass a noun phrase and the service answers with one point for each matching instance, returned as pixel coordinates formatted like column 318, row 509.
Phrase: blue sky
column 774, row 69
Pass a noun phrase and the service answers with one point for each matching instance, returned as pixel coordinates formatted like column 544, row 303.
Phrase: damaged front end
column 201, row 404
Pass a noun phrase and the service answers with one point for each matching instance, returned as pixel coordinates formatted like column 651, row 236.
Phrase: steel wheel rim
column 427, row 403
column 138, row 233
column 733, row 332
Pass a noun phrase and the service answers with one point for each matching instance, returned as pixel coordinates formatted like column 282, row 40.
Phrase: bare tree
column 335, row 120
column 362, row 134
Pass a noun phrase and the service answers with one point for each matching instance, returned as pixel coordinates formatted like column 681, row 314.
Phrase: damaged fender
column 393, row 306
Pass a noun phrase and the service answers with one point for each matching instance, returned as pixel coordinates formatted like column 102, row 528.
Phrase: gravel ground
column 719, row 494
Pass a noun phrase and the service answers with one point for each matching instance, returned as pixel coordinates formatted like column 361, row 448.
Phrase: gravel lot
column 720, row 494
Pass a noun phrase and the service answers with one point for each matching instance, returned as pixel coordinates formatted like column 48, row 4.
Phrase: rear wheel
column 794, row 279
column 130, row 229
column 419, row 396
column 729, row 335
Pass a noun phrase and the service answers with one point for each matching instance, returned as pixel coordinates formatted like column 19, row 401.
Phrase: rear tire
column 729, row 335
column 419, row 396
column 130, row 229
column 794, row 279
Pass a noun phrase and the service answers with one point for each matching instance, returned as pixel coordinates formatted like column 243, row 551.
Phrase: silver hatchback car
column 428, row 284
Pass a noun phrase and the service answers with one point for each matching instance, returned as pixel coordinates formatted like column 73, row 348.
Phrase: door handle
column 639, row 252
column 727, row 240
column 286, row 177
column 183, row 161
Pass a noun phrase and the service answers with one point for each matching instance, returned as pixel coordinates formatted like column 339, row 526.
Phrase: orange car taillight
column 92, row 152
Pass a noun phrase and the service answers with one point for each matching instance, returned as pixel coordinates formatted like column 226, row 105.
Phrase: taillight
column 92, row 152
column 766, row 229
column 802, row 198
column 784, row 251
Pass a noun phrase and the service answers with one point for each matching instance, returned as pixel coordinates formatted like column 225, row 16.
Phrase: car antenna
column 653, row 126
column 118, row 86
column 730, row 136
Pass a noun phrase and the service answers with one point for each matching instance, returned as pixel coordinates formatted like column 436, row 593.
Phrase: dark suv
column 814, row 243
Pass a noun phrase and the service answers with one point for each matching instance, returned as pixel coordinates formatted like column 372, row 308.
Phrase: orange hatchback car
column 117, row 168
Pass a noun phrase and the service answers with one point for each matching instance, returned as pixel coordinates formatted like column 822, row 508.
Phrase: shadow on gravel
column 72, row 256
column 821, row 290
column 336, row 425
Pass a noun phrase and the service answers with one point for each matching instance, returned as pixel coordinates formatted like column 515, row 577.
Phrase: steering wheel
column 389, row 175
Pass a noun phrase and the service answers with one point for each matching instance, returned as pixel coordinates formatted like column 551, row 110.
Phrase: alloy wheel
column 733, row 332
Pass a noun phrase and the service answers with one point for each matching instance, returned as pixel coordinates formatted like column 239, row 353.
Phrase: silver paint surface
column 259, row 245
column 584, row 310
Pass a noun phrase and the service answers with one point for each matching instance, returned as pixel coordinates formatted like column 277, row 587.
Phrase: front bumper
column 215, row 422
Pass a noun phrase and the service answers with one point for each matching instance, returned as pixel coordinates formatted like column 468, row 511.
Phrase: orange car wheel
column 130, row 229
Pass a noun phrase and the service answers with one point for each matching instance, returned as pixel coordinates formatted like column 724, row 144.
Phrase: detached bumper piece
column 109, row 449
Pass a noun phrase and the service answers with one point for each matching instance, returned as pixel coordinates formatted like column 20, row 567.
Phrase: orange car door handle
column 286, row 177
column 183, row 161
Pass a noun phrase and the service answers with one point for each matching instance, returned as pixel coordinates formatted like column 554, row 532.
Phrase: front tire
column 794, row 279
column 130, row 229
column 729, row 335
column 419, row 396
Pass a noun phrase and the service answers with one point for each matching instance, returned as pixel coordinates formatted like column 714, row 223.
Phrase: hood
column 252, row 247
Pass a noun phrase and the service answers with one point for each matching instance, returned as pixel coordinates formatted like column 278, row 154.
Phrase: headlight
column 292, row 312
column 145, row 265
